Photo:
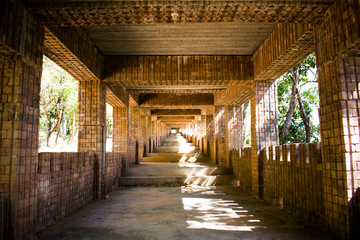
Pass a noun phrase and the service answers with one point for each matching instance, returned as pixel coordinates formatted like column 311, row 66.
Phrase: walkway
column 186, row 212
column 182, row 213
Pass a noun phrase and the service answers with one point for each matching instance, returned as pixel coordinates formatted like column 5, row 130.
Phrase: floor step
column 154, row 169
column 191, row 154
column 150, row 180
column 195, row 180
column 176, row 161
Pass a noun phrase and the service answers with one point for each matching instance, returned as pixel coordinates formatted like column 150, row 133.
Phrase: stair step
column 197, row 180
column 150, row 180
column 170, row 169
column 176, row 162
column 191, row 154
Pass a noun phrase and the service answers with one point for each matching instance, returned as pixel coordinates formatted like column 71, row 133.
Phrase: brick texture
column 92, row 116
column 286, row 46
column 21, row 43
column 177, row 70
column 242, row 168
column 80, row 58
column 264, row 129
column 121, row 132
column 337, row 51
column 68, row 181
column 140, row 12
column 292, row 177
column 65, row 183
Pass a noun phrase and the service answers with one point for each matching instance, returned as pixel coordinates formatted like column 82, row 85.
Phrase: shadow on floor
column 182, row 213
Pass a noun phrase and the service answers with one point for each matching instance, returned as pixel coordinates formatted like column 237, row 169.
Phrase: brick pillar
column 134, row 135
column 264, row 128
column 149, row 134
column 144, row 139
column 19, row 127
column 337, row 40
column 226, row 143
column 153, row 131
column 92, row 120
column 121, row 133
column 210, row 137
column 204, row 138
column 220, row 134
column 20, row 74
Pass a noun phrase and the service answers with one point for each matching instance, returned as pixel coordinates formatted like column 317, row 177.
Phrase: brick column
column 144, row 139
column 337, row 40
column 203, row 133
column 149, row 134
column 153, row 131
column 19, row 139
column 134, row 135
column 92, row 120
column 20, row 74
column 264, row 128
column 226, row 143
column 220, row 135
column 121, row 133
column 210, row 137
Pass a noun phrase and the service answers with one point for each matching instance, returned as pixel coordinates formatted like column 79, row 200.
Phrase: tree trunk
column 61, row 119
column 292, row 105
column 53, row 130
column 304, row 116
column 72, row 130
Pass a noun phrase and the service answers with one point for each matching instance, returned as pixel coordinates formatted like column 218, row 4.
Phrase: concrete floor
column 182, row 213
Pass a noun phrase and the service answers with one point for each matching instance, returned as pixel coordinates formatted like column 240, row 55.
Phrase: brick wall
column 292, row 177
column 241, row 164
column 113, row 170
column 121, row 132
column 92, row 116
column 21, row 43
column 264, row 127
column 221, row 151
column 68, row 181
column 65, row 183
column 172, row 70
column 337, row 48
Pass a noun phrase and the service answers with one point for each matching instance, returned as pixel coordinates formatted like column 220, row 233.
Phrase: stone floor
column 182, row 213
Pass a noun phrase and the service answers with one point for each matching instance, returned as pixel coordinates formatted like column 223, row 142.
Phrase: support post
column 264, row 128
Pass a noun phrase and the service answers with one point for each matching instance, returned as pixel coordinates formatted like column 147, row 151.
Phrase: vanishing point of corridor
column 172, row 208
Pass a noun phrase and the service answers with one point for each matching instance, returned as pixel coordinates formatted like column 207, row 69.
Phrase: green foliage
column 58, row 97
column 109, row 121
column 309, row 93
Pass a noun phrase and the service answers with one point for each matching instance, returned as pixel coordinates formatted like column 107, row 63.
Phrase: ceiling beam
column 175, row 112
column 173, row 101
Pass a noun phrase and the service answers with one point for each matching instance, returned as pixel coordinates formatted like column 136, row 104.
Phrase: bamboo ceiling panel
column 82, row 13
column 132, row 71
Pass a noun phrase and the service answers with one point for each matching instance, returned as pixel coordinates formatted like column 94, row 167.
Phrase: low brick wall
column 68, row 181
column 241, row 164
column 291, row 177
column 65, row 183
column 113, row 170
column 221, row 151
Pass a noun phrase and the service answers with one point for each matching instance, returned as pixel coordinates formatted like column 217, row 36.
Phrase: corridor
column 189, row 207
column 182, row 213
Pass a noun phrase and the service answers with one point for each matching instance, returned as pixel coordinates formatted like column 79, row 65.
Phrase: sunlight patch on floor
column 216, row 213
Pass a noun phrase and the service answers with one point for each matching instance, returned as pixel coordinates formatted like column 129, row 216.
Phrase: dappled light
column 216, row 213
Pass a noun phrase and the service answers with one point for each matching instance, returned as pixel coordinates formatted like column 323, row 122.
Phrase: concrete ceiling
column 180, row 39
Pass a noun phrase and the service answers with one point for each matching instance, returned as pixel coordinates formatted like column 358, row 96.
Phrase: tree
column 58, row 101
column 298, row 99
